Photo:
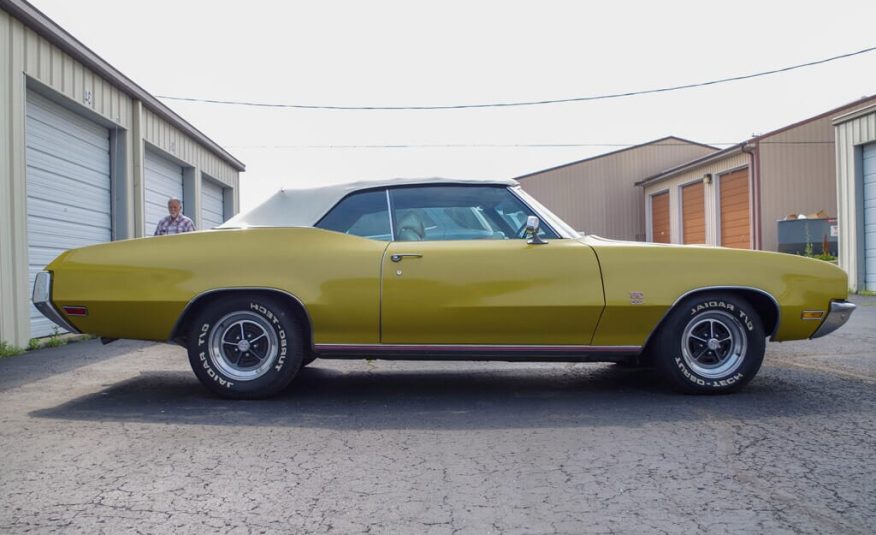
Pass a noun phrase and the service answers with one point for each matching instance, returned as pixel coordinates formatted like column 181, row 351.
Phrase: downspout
column 752, row 148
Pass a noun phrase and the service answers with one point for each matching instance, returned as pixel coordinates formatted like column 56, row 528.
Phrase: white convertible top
column 305, row 207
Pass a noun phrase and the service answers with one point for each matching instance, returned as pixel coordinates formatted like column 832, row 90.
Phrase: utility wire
column 502, row 145
column 524, row 103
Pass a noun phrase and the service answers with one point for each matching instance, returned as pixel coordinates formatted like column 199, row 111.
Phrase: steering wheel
column 521, row 232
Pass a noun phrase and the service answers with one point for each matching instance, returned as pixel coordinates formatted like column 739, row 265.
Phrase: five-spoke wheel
column 245, row 346
column 710, row 343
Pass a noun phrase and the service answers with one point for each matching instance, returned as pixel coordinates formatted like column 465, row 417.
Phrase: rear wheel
column 710, row 344
column 245, row 347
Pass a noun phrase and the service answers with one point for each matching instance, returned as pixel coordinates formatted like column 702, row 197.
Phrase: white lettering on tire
column 702, row 382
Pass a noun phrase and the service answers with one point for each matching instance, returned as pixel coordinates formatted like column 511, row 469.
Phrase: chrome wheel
column 243, row 345
column 713, row 344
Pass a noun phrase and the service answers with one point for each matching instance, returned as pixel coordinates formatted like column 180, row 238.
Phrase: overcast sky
column 409, row 53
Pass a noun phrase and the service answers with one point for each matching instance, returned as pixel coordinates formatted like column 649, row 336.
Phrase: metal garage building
column 735, row 197
column 856, row 188
column 597, row 195
column 87, row 157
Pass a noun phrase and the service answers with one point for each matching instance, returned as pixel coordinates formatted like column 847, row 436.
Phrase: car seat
column 410, row 227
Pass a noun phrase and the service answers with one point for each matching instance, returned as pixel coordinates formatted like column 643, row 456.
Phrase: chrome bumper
column 42, row 300
column 837, row 316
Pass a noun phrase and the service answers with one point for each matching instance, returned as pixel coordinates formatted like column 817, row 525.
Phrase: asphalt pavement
column 123, row 439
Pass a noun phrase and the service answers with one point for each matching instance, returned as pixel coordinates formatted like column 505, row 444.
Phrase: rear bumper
column 42, row 300
column 837, row 316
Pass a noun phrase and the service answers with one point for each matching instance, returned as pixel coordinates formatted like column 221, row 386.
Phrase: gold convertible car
column 437, row 269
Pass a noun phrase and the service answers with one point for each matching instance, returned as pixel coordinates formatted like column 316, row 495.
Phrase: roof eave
column 56, row 35
column 855, row 114
column 675, row 171
column 614, row 152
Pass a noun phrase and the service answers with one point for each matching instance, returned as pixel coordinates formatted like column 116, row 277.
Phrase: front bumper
column 837, row 316
column 42, row 300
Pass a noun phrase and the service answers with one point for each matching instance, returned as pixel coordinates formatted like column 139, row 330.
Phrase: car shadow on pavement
column 488, row 398
column 42, row 363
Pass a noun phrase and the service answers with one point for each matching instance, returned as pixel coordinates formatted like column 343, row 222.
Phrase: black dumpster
column 796, row 234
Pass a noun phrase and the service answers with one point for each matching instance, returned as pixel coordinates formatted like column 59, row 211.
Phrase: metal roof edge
column 860, row 102
column 673, row 171
column 854, row 114
column 612, row 153
column 50, row 30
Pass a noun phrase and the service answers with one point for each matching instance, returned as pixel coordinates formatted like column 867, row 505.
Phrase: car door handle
column 398, row 256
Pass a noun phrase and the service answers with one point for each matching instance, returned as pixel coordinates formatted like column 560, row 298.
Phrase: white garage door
column 870, row 217
column 164, row 179
column 69, row 201
column 212, row 205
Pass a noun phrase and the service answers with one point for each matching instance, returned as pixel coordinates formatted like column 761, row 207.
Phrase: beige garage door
column 660, row 218
column 735, row 213
column 693, row 213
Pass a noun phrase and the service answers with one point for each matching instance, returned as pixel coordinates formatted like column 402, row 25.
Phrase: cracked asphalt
column 123, row 439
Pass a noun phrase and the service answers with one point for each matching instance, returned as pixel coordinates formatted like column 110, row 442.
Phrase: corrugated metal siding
column 28, row 60
column 850, row 137
column 164, row 136
column 599, row 196
column 797, row 175
column 51, row 66
column 674, row 184
column 13, row 244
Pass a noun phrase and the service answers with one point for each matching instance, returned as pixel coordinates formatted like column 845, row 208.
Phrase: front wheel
column 245, row 347
column 710, row 344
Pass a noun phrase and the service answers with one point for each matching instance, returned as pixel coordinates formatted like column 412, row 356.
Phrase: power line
column 499, row 145
column 524, row 103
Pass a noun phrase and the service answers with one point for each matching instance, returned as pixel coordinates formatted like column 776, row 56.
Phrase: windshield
column 561, row 226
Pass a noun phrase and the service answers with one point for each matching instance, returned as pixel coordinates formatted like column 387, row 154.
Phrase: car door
column 460, row 272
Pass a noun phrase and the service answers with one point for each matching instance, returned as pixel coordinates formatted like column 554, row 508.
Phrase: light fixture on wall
column 707, row 178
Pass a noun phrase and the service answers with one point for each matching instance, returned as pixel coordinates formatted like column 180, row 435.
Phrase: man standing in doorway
column 176, row 222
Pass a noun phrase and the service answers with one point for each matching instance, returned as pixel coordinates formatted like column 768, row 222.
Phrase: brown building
column 597, row 195
column 735, row 197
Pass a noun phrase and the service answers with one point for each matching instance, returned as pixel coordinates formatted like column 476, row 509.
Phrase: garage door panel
column 693, row 213
column 869, row 215
column 660, row 232
column 65, row 123
column 44, row 232
column 212, row 205
column 57, row 173
column 66, row 151
column 164, row 180
column 68, row 188
column 68, row 137
column 735, row 210
column 64, row 191
column 66, row 214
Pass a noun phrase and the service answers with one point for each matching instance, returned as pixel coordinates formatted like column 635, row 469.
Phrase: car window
column 459, row 213
column 360, row 214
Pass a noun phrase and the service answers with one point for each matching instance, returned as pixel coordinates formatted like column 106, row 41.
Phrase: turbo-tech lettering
column 282, row 358
column 689, row 376
column 727, row 382
column 265, row 312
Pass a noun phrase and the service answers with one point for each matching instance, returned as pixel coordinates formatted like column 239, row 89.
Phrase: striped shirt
column 169, row 225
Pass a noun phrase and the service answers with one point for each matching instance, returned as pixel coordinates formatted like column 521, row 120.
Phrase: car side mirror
column 532, row 224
